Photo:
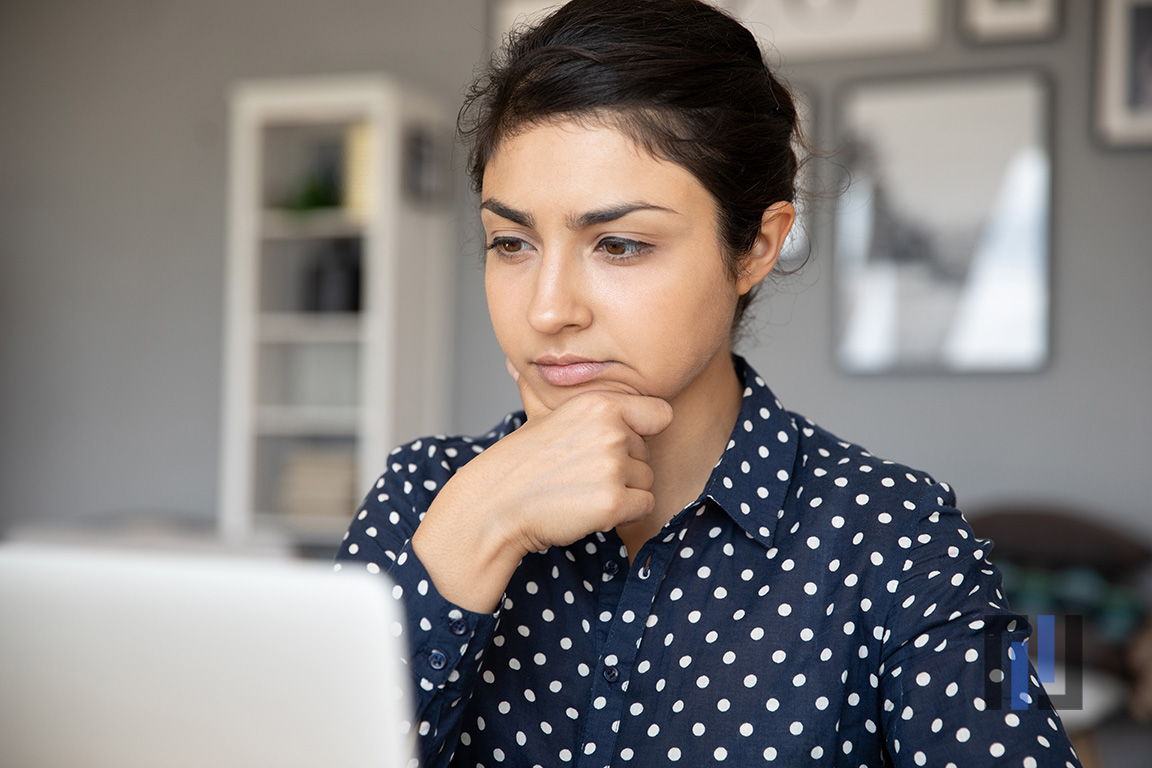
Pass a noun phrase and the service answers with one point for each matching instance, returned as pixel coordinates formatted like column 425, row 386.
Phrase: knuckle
column 610, row 467
column 647, row 477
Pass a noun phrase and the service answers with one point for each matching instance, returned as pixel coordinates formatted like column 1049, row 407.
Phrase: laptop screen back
column 131, row 659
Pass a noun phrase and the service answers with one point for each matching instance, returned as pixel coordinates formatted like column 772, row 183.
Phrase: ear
column 775, row 225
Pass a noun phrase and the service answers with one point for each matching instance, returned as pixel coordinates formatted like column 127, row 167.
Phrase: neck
column 682, row 456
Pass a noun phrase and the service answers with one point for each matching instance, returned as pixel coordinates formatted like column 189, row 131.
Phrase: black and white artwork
column 1009, row 21
column 803, row 30
column 941, row 238
column 1124, row 73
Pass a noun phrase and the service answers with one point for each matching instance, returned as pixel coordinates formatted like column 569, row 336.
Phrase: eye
column 507, row 246
column 621, row 249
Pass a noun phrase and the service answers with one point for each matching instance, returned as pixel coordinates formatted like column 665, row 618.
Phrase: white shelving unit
column 338, row 307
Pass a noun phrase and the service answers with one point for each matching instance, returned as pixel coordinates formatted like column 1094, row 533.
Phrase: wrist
column 468, row 551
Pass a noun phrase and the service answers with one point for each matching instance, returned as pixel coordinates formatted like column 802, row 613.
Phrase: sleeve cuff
column 446, row 640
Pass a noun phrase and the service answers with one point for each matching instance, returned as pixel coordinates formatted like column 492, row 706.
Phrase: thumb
column 533, row 406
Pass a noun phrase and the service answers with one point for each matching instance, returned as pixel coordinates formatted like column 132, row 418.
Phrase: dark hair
column 682, row 78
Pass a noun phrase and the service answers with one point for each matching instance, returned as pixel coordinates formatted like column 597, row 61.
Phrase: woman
column 656, row 562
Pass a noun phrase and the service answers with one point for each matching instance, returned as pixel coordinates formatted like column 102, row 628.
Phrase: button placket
column 621, row 646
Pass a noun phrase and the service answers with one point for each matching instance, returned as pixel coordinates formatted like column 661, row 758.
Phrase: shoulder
column 801, row 476
column 882, row 519
column 837, row 471
column 416, row 470
column 414, row 473
column 435, row 454
column 866, row 506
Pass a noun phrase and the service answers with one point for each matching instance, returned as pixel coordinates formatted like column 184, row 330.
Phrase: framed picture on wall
column 1009, row 21
column 1124, row 73
column 941, row 238
column 835, row 29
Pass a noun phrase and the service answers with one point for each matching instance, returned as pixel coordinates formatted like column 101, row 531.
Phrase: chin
column 563, row 394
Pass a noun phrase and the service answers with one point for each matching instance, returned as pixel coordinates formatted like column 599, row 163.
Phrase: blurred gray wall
column 112, row 231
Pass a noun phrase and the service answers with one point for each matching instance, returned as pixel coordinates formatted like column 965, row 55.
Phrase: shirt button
column 611, row 674
column 458, row 626
column 611, row 567
column 437, row 660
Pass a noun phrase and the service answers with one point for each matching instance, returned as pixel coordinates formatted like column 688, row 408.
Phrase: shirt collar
column 752, row 478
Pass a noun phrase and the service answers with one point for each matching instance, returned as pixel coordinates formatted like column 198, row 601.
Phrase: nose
column 560, row 297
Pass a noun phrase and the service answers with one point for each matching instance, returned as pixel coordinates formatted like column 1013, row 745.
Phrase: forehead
column 574, row 164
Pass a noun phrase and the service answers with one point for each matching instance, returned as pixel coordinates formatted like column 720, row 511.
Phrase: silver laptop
column 172, row 661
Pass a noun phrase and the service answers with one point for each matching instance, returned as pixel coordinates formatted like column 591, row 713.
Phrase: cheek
column 507, row 307
column 693, row 311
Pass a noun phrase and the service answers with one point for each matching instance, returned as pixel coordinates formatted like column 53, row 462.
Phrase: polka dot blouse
column 814, row 606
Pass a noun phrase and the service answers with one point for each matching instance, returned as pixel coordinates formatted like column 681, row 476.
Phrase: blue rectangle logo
column 1007, row 668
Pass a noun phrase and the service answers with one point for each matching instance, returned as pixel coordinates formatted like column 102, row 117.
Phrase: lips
column 567, row 370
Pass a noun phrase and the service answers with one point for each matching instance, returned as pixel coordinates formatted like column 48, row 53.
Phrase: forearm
column 468, row 553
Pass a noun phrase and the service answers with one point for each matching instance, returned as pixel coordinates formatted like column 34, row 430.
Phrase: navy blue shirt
column 815, row 605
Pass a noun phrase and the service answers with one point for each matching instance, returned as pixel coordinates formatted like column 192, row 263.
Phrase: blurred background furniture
column 339, row 297
column 1061, row 562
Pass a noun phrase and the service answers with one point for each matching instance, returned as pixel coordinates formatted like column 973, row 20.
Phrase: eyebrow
column 588, row 219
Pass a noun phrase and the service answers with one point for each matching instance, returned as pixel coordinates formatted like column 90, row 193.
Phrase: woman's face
column 604, row 268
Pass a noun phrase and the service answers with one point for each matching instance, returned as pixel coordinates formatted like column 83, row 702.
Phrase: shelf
column 308, row 421
column 322, row 212
column 315, row 224
column 310, row 328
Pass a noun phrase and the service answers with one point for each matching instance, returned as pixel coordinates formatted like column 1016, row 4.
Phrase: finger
column 638, row 447
column 533, row 405
column 646, row 416
column 639, row 475
column 638, row 504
